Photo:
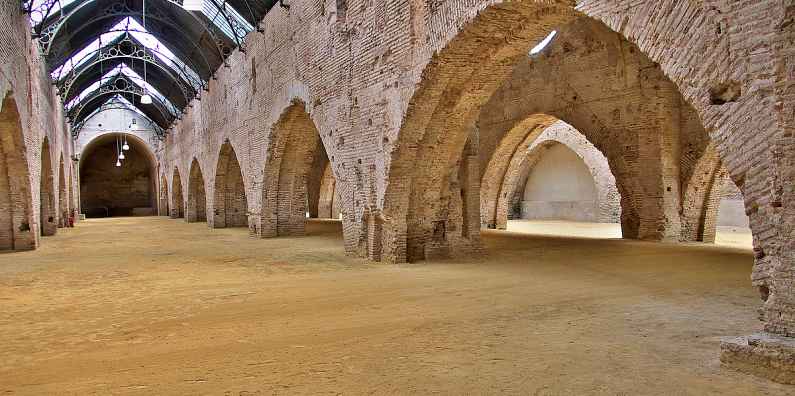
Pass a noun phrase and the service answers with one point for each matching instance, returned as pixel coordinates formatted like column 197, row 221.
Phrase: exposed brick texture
column 294, row 144
column 414, row 102
column 196, row 207
column 395, row 91
column 177, row 200
column 328, row 199
column 163, row 197
column 17, row 230
column 31, row 112
column 48, row 210
column 511, row 187
column 107, row 190
column 230, row 208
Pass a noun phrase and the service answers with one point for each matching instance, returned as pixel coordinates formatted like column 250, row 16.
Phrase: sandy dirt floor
column 737, row 237
column 152, row 306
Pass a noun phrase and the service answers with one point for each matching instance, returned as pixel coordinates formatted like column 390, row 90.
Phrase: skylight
column 131, row 26
column 129, row 73
column 211, row 10
column 39, row 11
column 540, row 47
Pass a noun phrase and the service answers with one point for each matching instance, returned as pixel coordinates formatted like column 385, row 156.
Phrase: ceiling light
column 146, row 99
column 118, row 163
column 121, row 155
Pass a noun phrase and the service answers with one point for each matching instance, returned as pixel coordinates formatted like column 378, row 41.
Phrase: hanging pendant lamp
column 118, row 150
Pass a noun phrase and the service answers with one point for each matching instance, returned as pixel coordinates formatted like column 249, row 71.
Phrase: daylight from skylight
column 540, row 47
column 129, row 73
column 131, row 26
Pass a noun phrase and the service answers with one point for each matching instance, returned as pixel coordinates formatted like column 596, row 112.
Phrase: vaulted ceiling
column 108, row 54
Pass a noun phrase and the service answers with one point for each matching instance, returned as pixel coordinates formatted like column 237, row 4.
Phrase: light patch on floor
column 152, row 306
column 736, row 237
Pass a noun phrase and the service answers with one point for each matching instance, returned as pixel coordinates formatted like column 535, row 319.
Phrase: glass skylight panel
column 84, row 54
column 213, row 12
column 163, row 52
column 129, row 25
column 39, row 9
column 129, row 73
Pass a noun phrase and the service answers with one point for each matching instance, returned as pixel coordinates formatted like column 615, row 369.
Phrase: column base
column 766, row 355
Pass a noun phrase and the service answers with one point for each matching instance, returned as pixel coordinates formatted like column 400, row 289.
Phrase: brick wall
column 607, row 207
column 32, row 120
column 396, row 92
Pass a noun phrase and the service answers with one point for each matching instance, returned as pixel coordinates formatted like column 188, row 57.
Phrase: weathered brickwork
column 622, row 104
column 163, row 197
column 31, row 120
column 196, row 206
column 230, row 206
column 328, row 198
column 177, row 199
column 108, row 190
column 531, row 150
column 398, row 93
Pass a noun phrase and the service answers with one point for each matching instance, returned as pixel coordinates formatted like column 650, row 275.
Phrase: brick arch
column 532, row 149
column 163, row 209
column 328, row 196
column 177, row 199
column 230, row 200
column 294, row 145
column 48, row 210
column 745, row 103
column 63, row 199
column 455, row 85
column 445, row 114
column 16, row 200
column 70, row 187
column 196, row 210
column 702, row 195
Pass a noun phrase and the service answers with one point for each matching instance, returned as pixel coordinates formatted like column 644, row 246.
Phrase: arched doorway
column 555, row 173
column 48, row 212
column 328, row 206
column 16, row 211
column 197, row 195
column 294, row 165
column 63, row 197
column 485, row 114
column 230, row 202
column 108, row 190
column 177, row 202
column 163, row 208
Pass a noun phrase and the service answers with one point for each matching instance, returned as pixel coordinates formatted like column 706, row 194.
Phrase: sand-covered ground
column 738, row 237
column 153, row 306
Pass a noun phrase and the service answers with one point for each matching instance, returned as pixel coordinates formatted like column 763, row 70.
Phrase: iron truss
column 77, row 127
column 197, row 42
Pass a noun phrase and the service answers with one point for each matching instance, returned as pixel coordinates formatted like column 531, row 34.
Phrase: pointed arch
column 177, row 200
column 63, row 199
column 294, row 145
column 608, row 203
column 163, row 200
column 230, row 199
column 197, row 195
column 48, row 211
column 328, row 206
column 443, row 122
column 16, row 200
